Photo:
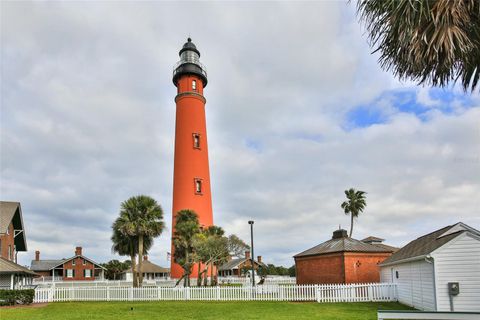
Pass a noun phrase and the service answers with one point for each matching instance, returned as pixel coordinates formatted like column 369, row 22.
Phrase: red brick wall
column 78, row 267
column 8, row 240
column 363, row 267
column 44, row 273
column 320, row 269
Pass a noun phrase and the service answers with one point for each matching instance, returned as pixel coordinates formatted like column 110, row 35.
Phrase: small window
column 87, row 273
column 84, row 262
column 196, row 141
column 73, row 262
column 198, row 186
column 194, row 85
column 9, row 252
column 70, row 273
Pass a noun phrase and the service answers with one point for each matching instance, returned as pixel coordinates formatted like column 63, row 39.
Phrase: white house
column 427, row 269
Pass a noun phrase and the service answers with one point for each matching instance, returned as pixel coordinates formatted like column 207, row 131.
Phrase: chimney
column 340, row 233
column 259, row 259
column 37, row 255
column 145, row 258
column 247, row 254
column 78, row 251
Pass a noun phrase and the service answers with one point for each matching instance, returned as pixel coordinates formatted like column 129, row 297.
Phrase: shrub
column 11, row 297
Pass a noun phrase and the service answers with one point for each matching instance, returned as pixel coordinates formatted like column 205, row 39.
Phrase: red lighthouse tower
column 191, row 175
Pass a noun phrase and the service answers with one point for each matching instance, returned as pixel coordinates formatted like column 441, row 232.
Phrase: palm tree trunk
column 351, row 224
column 134, row 273
column 140, row 259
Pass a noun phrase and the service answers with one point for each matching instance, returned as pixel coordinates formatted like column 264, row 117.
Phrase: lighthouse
column 191, row 174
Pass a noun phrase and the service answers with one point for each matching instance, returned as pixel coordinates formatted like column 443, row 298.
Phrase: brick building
column 76, row 268
column 12, row 241
column 12, row 234
column 239, row 267
column 342, row 260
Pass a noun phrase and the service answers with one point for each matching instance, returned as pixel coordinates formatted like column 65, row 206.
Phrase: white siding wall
column 415, row 283
column 458, row 261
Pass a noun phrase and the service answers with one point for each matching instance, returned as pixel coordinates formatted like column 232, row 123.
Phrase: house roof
column 342, row 243
column 149, row 267
column 234, row 263
column 370, row 239
column 45, row 265
column 11, row 212
column 428, row 243
column 9, row 267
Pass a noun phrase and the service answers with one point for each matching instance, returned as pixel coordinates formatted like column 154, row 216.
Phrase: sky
column 298, row 110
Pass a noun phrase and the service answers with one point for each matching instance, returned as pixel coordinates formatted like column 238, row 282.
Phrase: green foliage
column 237, row 246
column 187, row 228
column 12, row 297
column 292, row 271
column 355, row 204
column 140, row 220
column 273, row 270
column 115, row 268
column 431, row 42
column 211, row 248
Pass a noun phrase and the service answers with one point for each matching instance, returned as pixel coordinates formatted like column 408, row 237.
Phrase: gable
column 11, row 212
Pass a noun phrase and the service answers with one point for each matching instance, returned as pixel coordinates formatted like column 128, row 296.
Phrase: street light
column 252, row 254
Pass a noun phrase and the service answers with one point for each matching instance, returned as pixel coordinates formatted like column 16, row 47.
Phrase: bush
column 11, row 297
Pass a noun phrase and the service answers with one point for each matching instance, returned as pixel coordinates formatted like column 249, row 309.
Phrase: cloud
column 298, row 110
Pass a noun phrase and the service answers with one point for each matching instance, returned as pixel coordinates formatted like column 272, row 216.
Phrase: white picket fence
column 320, row 293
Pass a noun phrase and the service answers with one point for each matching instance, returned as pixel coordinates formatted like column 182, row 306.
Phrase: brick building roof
column 234, row 263
column 340, row 242
column 45, row 265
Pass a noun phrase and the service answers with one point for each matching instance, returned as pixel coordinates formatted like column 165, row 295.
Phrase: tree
column 140, row 216
column 237, row 246
column 186, row 229
column 126, row 245
column 355, row 204
column 431, row 42
column 115, row 268
column 211, row 247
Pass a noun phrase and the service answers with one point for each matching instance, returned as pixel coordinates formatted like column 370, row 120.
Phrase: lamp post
column 252, row 254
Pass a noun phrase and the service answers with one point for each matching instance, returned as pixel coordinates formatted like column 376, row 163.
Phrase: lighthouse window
column 198, row 186
column 194, row 85
column 196, row 141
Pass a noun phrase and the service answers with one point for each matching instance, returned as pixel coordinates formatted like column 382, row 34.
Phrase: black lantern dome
column 189, row 63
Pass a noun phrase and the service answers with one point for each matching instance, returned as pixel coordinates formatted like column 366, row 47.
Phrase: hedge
column 11, row 297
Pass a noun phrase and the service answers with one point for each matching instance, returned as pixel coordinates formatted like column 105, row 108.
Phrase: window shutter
column 73, row 273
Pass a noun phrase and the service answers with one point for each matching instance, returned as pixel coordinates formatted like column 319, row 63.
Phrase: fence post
column 108, row 293
column 130, row 294
column 370, row 295
column 218, row 293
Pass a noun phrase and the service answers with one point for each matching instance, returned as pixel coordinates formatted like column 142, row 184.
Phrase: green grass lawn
column 201, row 310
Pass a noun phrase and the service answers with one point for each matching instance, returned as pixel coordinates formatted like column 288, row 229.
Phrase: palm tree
column 126, row 245
column 355, row 204
column 427, row 41
column 140, row 216
column 187, row 228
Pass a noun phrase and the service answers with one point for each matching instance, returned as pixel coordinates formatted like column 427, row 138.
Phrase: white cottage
column 439, row 271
